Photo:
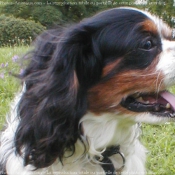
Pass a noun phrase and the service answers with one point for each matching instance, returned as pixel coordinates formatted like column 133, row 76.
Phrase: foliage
column 17, row 10
column 60, row 11
column 163, row 9
column 47, row 15
column 17, row 31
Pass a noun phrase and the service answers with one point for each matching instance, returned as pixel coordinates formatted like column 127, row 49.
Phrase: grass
column 9, row 63
column 159, row 139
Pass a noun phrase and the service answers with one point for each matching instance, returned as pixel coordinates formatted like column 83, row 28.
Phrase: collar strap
column 107, row 164
column 173, row 33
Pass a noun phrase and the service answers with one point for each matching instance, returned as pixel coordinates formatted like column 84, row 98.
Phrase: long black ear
column 62, row 67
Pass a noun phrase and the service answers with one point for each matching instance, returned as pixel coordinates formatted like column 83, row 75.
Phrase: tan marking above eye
column 149, row 26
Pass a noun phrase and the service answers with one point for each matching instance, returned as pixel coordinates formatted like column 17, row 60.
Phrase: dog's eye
column 147, row 45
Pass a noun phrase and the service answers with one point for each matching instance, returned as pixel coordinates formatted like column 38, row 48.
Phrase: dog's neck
column 108, row 130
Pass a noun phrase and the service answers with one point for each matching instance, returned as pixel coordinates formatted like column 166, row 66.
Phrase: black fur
column 2, row 170
column 62, row 67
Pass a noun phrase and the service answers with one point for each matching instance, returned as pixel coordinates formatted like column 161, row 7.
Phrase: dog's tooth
column 168, row 106
column 147, row 102
column 140, row 99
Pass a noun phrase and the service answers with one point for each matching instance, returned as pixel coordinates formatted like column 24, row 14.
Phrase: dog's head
column 120, row 61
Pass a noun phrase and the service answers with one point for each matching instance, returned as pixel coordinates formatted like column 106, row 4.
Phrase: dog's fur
column 75, row 101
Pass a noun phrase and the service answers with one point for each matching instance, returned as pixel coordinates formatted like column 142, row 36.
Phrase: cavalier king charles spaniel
column 86, row 88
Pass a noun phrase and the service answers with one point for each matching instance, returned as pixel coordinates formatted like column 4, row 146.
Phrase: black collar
column 173, row 34
column 107, row 164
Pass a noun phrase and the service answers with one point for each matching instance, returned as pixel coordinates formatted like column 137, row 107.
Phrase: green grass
column 9, row 63
column 159, row 139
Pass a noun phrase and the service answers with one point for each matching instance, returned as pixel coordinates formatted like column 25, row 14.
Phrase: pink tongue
column 170, row 98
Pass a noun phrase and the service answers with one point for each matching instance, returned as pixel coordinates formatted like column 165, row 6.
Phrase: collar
column 173, row 33
column 107, row 164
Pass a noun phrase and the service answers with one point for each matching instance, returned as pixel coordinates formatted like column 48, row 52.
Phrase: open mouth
column 161, row 104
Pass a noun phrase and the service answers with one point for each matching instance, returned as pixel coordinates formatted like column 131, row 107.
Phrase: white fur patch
column 167, row 62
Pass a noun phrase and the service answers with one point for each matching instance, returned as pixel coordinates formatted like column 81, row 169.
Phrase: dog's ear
column 63, row 66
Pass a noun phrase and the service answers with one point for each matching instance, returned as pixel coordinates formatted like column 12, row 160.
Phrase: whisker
column 147, row 74
column 142, row 75
column 158, row 87
column 157, row 84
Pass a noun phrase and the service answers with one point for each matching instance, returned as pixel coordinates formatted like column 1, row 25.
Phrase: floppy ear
column 62, row 67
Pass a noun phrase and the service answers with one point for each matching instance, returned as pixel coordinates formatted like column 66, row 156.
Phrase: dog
column 86, row 89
